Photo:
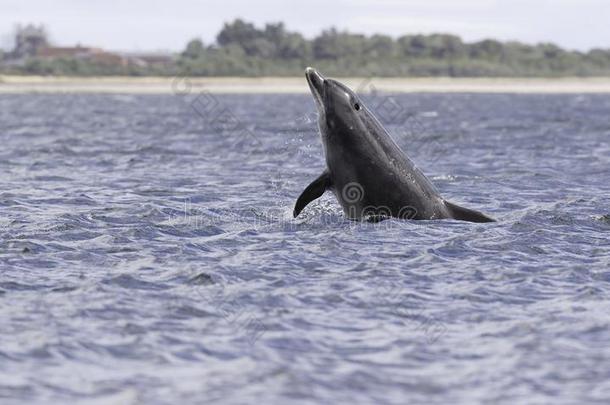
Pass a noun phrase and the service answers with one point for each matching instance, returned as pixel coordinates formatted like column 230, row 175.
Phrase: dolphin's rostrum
column 369, row 174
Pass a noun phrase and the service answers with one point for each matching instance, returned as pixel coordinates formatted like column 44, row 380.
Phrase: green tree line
column 242, row 49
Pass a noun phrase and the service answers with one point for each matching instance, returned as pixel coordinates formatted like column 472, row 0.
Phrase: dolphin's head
column 317, row 86
column 341, row 113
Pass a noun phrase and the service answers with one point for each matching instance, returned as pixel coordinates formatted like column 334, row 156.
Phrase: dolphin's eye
column 357, row 107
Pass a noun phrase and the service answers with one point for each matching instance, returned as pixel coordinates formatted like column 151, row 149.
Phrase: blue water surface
column 148, row 254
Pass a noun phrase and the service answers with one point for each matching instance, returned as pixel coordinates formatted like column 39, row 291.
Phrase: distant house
column 52, row 52
column 31, row 41
column 96, row 55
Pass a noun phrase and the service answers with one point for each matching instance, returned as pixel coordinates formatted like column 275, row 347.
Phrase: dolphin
column 371, row 177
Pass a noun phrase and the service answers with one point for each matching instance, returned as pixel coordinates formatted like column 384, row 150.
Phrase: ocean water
column 148, row 254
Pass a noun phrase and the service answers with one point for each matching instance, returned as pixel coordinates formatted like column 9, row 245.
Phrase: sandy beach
column 184, row 85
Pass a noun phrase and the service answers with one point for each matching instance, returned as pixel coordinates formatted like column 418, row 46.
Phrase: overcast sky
column 147, row 25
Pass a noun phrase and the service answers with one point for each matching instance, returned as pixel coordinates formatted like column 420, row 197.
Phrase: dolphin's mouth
column 316, row 85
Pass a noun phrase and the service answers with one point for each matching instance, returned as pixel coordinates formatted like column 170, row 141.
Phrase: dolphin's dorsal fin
column 313, row 191
column 465, row 214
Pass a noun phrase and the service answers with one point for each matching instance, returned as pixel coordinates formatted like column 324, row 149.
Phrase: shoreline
column 297, row 85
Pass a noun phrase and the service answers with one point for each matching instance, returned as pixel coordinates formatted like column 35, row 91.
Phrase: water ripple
column 147, row 255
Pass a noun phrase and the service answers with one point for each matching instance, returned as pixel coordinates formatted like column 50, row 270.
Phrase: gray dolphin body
column 369, row 174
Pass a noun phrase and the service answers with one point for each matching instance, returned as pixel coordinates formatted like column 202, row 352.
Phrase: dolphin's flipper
column 313, row 191
column 465, row 214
